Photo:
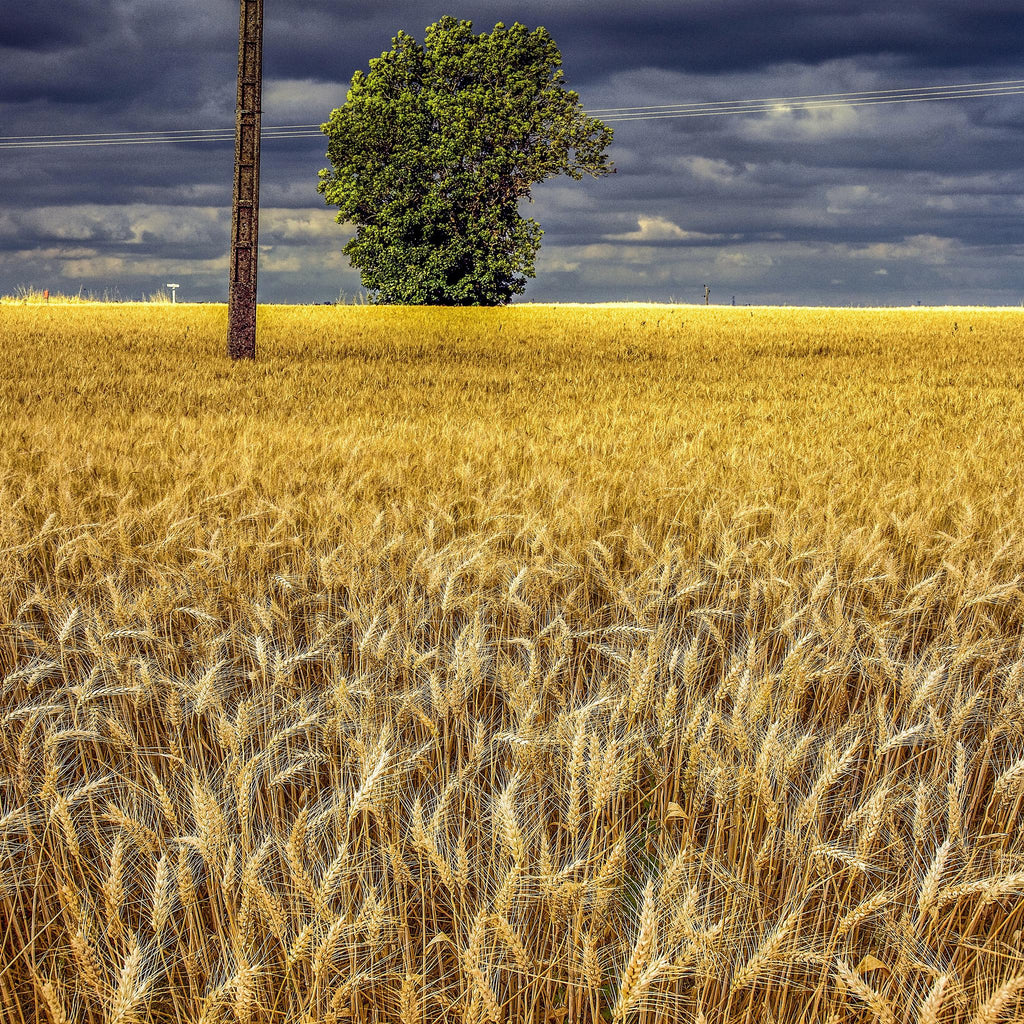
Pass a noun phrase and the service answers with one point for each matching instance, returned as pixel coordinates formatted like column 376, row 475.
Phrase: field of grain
column 543, row 664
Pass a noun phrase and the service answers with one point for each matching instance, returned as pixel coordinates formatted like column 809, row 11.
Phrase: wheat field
column 539, row 664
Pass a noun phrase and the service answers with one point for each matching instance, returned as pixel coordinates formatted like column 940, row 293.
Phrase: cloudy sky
column 859, row 205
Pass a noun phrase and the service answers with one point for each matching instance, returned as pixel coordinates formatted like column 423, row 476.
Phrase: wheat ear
column 863, row 991
column 640, row 957
column 932, row 1003
column 992, row 1009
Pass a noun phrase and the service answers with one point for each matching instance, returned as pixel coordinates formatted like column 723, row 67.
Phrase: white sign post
column 174, row 292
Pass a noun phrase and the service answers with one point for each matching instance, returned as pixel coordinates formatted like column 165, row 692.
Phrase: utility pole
column 245, row 212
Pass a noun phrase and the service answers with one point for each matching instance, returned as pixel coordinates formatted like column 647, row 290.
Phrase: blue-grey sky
column 916, row 202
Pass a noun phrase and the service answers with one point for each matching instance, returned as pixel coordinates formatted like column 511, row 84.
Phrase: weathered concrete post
column 245, row 212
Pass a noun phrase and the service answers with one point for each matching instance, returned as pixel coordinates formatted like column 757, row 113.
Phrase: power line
column 170, row 131
column 155, row 141
column 948, row 91
column 782, row 107
column 1018, row 82
column 718, row 108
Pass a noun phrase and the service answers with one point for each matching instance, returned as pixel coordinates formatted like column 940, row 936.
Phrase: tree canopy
column 435, row 147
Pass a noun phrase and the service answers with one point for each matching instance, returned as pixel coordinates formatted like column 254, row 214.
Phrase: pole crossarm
column 245, row 214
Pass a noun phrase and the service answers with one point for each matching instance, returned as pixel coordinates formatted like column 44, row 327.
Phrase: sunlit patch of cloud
column 927, row 249
column 845, row 199
column 660, row 229
column 300, row 100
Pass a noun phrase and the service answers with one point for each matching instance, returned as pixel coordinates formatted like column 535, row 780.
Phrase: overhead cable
column 613, row 115
column 972, row 86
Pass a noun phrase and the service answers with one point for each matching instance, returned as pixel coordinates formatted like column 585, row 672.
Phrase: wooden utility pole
column 245, row 212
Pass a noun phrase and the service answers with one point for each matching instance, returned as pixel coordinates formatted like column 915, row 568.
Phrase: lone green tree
column 435, row 147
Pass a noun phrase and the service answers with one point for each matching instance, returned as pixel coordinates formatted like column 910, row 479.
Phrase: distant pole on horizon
column 245, row 209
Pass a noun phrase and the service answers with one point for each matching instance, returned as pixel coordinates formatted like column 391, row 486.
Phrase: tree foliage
column 435, row 147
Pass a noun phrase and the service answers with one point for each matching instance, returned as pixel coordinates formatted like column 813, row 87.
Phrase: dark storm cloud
column 136, row 58
column 860, row 204
column 705, row 36
column 741, row 35
column 26, row 27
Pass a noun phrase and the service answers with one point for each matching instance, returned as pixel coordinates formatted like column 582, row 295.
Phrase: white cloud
column 745, row 261
column 176, row 224
column 658, row 229
column 117, row 268
column 134, row 224
column 300, row 100
column 721, row 172
column 550, row 260
column 302, row 226
column 847, row 198
column 784, row 123
column 929, row 249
